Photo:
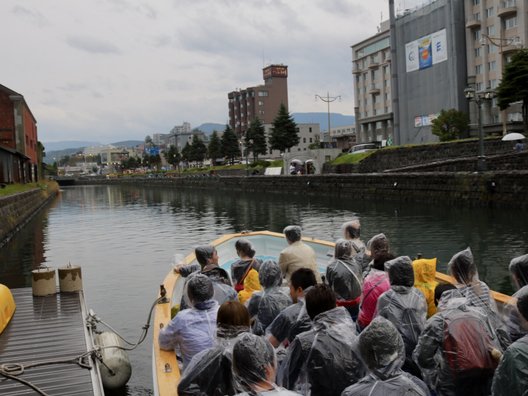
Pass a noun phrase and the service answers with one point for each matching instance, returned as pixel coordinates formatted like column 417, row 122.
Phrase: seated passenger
column 322, row 361
column 297, row 254
column 244, row 272
column 192, row 330
column 511, row 377
column 344, row 275
column 207, row 258
column 377, row 245
column 460, row 345
column 381, row 348
column 375, row 284
column 352, row 232
column 515, row 324
column 254, row 367
column 425, row 281
column 405, row 307
column 264, row 306
column 209, row 372
column 294, row 319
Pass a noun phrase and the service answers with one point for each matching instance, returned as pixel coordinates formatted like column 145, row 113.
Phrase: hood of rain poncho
column 519, row 269
column 199, row 290
column 378, row 244
column 270, row 274
column 343, row 249
column 381, row 348
column 400, row 271
column 204, row 253
column 293, row 233
column 425, row 272
column 337, row 316
column 227, row 332
column 352, row 228
column 463, row 268
column 252, row 355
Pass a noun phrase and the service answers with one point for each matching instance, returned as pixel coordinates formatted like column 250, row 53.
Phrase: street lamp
column 479, row 98
column 329, row 99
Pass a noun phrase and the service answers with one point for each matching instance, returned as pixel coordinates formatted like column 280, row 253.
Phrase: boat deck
column 48, row 329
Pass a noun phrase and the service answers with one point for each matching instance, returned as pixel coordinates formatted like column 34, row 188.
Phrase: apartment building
column 495, row 29
column 344, row 136
column 262, row 101
column 309, row 133
column 372, row 86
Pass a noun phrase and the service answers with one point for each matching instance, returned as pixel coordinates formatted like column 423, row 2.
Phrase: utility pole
column 328, row 99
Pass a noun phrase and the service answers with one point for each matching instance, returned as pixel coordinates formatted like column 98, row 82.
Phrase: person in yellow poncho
column 244, row 272
column 425, row 281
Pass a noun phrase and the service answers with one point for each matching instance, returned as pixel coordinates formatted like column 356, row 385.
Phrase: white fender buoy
column 70, row 279
column 115, row 369
column 43, row 281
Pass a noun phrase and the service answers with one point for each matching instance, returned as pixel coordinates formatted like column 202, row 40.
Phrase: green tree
column 256, row 139
column 199, row 150
column 187, row 152
column 450, row 125
column 284, row 133
column 173, row 156
column 514, row 84
column 214, row 150
column 230, row 147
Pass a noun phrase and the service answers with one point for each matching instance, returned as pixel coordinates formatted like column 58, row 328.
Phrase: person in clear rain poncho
column 254, row 367
column 458, row 349
column 381, row 348
column 294, row 319
column 264, row 306
column 207, row 258
column 322, row 361
column 511, row 377
column 404, row 306
column 352, row 232
column 192, row 330
column 209, row 372
column 516, row 325
column 344, row 275
column 463, row 268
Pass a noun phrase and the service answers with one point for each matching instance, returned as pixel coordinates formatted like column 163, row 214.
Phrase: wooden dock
column 45, row 329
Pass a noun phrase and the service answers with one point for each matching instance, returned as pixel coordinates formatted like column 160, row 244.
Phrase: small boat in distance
column 165, row 370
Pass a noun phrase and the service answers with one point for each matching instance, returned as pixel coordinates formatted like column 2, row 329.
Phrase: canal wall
column 492, row 189
column 18, row 209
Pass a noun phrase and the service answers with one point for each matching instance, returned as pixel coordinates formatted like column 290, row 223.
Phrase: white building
column 308, row 134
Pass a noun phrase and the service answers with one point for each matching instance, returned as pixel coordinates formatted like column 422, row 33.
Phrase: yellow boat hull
column 7, row 307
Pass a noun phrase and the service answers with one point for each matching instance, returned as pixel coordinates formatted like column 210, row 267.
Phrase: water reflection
column 124, row 238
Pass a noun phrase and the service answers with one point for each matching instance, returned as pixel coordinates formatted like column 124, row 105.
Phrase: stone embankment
column 494, row 189
column 17, row 209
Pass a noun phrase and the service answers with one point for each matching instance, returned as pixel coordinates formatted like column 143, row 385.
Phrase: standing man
column 297, row 254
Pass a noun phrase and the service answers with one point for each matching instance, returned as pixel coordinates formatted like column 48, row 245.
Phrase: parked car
column 363, row 148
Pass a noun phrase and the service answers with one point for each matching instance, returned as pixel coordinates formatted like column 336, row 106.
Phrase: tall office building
column 495, row 29
column 262, row 101
column 372, row 72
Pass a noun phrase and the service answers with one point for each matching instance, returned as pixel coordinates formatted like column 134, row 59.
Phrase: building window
column 304, row 140
column 260, row 103
column 310, row 129
column 478, row 69
column 493, row 84
column 491, row 48
column 476, row 16
column 490, row 12
column 476, row 35
column 478, row 86
column 510, row 23
column 311, row 140
column 476, row 2
column 491, row 30
column 492, row 65
column 477, row 52
column 263, row 93
column 507, row 59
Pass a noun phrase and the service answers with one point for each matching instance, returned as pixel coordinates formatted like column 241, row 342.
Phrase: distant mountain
column 127, row 143
column 336, row 119
column 209, row 127
column 68, row 144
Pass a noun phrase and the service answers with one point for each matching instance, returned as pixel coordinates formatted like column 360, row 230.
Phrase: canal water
column 125, row 238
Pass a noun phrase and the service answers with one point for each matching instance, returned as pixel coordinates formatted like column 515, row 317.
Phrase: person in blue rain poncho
column 192, row 330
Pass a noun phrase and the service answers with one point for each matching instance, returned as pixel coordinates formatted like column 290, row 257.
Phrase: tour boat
column 165, row 370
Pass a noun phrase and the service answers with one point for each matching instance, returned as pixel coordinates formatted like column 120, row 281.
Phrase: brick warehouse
column 18, row 139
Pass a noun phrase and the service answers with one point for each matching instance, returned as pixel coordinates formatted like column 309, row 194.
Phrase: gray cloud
column 92, row 45
column 34, row 16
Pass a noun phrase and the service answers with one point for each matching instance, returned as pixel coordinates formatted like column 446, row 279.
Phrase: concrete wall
column 16, row 210
column 487, row 189
column 441, row 86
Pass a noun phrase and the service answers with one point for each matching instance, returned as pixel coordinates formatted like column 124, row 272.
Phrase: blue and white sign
column 426, row 51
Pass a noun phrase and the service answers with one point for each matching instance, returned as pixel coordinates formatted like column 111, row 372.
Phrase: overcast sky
column 109, row 70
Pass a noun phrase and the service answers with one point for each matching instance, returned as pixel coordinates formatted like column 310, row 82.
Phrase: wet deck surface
column 43, row 329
